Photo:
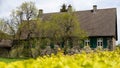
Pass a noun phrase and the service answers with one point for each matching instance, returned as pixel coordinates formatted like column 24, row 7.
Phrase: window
column 87, row 42
column 100, row 42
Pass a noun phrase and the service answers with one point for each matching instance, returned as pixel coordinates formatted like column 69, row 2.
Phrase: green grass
column 9, row 60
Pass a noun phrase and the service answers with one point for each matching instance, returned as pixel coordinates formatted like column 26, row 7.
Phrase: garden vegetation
column 99, row 59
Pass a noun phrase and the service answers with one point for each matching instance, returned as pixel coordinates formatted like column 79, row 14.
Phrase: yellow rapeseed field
column 104, row 59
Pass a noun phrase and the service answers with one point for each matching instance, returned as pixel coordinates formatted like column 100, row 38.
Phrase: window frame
column 87, row 42
column 99, row 42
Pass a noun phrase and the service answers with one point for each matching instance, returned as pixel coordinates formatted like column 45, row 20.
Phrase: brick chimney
column 40, row 13
column 69, row 8
column 94, row 8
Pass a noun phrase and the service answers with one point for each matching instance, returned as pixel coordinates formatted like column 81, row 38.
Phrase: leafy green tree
column 26, row 11
column 29, row 12
column 23, row 14
column 68, row 28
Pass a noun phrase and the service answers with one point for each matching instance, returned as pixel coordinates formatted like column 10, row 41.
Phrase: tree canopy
column 68, row 27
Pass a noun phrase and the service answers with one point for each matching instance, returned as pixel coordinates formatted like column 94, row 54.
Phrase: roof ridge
column 82, row 10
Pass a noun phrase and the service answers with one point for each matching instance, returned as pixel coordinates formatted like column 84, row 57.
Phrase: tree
column 4, row 29
column 3, row 25
column 26, row 11
column 68, row 28
column 22, row 15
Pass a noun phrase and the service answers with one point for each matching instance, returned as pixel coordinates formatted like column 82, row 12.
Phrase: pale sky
column 49, row 6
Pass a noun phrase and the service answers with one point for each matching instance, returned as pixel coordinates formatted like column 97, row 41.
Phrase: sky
column 49, row 6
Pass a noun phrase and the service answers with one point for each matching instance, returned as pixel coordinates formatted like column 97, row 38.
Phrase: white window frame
column 87, row 42
column 99, row 42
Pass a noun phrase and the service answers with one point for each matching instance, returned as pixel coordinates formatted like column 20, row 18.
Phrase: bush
column 17, row 51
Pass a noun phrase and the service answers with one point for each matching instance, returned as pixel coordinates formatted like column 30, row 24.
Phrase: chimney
column 69, row 8
column 94, row 8
column 63, row 9
column 40, row 13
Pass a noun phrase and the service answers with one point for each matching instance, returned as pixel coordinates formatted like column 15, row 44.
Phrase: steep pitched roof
column 5, row 43
column 102, row 22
